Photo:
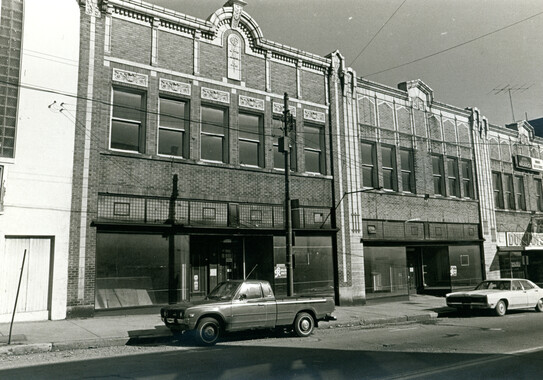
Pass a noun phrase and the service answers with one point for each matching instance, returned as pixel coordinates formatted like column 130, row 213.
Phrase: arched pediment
column 232, row 16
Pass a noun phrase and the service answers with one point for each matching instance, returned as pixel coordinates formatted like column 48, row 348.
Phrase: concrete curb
column 24, row 349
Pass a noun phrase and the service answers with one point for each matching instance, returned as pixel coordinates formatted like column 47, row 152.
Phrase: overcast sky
column 462, row 76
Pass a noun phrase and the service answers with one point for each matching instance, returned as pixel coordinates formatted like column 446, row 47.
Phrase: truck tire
column 304, row 324
column 208, row 331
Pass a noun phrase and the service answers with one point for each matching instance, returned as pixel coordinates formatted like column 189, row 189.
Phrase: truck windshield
column 224, row 291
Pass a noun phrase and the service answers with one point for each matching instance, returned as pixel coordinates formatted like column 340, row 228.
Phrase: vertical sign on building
column 234, row 57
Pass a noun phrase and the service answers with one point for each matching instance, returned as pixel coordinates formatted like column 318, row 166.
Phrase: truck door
column 270, row 304
column 248, row 309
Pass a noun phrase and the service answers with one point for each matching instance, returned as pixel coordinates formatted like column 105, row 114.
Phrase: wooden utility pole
column 285, row 146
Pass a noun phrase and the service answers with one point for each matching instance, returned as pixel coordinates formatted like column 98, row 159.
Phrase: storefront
column 408, row 258
column 139, row 268
column 522, row 256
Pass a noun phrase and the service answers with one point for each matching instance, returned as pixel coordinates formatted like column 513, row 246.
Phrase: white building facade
column 38, row 79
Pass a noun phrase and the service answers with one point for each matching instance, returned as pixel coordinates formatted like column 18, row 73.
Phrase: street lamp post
column 343, row 196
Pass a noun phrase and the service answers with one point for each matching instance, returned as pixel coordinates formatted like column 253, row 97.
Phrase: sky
column 464, row 50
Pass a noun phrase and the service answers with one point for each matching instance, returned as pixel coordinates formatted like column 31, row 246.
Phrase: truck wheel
column 208, row 331
column 304, row 324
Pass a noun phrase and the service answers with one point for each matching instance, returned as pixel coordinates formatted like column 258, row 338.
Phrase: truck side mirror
column 242, row 297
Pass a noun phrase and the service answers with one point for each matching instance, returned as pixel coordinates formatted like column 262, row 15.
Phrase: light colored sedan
column 499, row 295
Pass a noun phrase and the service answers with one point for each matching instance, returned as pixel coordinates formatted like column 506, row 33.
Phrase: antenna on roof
column 511, row 90
column 246, row 277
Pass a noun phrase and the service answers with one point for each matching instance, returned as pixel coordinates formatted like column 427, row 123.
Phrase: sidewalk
column 102, row 330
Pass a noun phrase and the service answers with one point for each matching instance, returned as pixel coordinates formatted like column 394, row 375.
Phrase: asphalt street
column 478, row 346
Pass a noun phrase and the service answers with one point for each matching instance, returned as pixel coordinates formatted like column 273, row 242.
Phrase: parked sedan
column 500, row 296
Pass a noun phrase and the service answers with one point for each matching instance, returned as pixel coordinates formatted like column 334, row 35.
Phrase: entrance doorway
column 214, row 259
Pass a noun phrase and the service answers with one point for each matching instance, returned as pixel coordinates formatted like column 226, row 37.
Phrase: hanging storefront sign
column 528, row 240
column 528, row 163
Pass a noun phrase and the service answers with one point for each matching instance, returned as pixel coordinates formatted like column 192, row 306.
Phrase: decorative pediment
column 418, row 92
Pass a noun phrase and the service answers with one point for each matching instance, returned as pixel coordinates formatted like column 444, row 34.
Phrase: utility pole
column 172, row 281
column 284, row 145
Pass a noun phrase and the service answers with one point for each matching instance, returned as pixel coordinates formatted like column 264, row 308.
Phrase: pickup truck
column 243, row 305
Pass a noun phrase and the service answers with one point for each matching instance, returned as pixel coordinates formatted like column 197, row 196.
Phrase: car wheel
column 208, row 331
column 304, row 324
column 539, row 305
column 500, row 309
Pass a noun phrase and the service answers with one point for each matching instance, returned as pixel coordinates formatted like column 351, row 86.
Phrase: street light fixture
column 343, row 196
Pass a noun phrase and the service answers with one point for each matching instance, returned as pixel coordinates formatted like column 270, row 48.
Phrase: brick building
column 515, row 168
column 409, row 213
column 178, row 177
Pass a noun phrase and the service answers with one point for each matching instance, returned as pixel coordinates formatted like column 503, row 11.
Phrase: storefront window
column 511, row 265
column 131, row 270
column 313, row 266
column 385, row 271
column 465, row 262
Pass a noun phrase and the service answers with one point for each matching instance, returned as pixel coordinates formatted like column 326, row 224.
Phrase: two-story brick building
column 409, row 214
column 178, row 177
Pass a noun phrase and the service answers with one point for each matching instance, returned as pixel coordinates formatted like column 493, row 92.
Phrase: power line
column 375, row 35
column 455, row 46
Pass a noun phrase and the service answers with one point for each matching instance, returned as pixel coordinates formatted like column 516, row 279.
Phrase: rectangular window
column 389, row 167
column 127, row 121
column 467, row 178
column 408, row 176
column 313, row 149
column 508, row 192
column 214, row 134
column 452, row 176
column 250, row 136
column 172, row 127
column 498, row 189
column 538, row 194
column 278, row 157
column 437, row 173
column 369, row 172
column 520, row 195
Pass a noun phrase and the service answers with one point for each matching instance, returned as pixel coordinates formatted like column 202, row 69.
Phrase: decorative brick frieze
column 130, row 77
column 279, row 108
column 174, row 87
column 216, row 95
column 254, row 103
column 317, row 116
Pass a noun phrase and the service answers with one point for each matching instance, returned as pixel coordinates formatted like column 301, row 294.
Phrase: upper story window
column 172, row 127
column 214, row 134
column 389, row 167
column 127, row 121
column 452, row 176
column 467, row 178
column 498, row 189
column 520, row 195
column 438, row 175
column 408, row 174
column 508, row 192
column 538, row 194
column 278, row 157
column 314, row 149
column 250, row 137
column 369, row 159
